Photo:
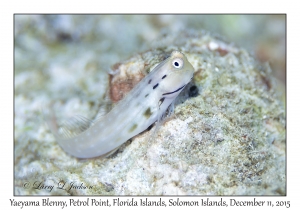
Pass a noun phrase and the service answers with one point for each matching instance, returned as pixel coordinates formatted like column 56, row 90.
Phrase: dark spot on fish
column 161, row 101
column 193, row 91
column 164, row 76
column 155, row 86
column 149, row 81
column 133, row 128
column 146, row 95
column 148, row 113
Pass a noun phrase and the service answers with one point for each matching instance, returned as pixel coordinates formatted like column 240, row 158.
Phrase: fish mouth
column 174, row 90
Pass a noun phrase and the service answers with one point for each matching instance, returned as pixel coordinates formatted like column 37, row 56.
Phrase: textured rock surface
column 229, row 139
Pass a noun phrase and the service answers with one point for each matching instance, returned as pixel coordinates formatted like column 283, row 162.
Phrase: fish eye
column 177, row 63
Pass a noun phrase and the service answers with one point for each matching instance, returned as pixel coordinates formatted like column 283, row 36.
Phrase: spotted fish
column 142, row 106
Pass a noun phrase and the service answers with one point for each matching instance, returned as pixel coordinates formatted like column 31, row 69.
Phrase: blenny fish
column 145, row 104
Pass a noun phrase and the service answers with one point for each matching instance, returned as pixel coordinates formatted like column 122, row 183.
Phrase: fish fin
column 50, row 119
column 104, row 108
column 74, row 126
column 170, row 110
column 107, row 155
column 68, row 128
column 162, row 117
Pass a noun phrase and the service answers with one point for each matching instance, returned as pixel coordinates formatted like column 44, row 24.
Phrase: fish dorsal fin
column 74, row 126
column 104, row 108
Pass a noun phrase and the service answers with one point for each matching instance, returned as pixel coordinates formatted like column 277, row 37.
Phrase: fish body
column 140, row 108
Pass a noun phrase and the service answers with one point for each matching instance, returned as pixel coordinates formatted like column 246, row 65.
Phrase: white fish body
column 141, row 107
